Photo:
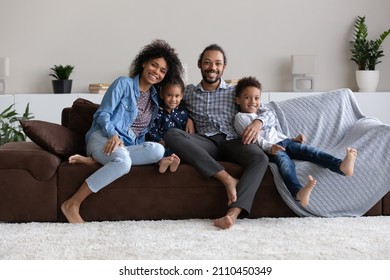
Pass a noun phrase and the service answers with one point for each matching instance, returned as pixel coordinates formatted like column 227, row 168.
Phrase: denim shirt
column 118, row 110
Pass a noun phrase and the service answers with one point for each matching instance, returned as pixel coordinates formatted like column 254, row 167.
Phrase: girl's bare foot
column 71, row 212
column 175, row 163
column 81, row 159
column 303, row 195
column 348, row 164
column 164, row 163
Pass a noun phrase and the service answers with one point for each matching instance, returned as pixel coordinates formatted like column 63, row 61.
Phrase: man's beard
column 210, row 81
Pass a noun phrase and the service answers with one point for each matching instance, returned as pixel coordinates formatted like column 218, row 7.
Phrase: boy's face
column 171, row 95
column 249, row 100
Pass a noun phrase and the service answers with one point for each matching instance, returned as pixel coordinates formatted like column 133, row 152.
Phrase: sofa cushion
column 79, row 119
column 81, row 116
column 52, row 137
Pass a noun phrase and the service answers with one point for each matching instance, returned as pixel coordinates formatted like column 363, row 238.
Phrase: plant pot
column 62, row 86
column 367, row 80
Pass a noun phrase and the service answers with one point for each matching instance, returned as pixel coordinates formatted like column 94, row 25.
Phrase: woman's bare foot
column 81, row 159
column 348, row 164
column 228, row 221
column 175, row 163
column 71, row 212
column 164, row 163
column 303, row 195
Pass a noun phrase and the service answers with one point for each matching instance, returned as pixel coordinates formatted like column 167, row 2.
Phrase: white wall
column 101, row 37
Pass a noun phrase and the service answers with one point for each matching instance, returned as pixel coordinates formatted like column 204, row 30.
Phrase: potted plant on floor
column 61, row 84
column 366, row 54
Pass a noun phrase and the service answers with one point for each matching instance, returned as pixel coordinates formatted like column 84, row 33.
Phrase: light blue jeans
column 120, row 161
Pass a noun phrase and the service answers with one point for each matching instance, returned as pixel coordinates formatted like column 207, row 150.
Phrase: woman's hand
column 250, row 133
column 111, row 144
column 190, row 126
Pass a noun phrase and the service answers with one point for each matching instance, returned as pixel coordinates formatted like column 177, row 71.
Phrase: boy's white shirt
column 266, row 137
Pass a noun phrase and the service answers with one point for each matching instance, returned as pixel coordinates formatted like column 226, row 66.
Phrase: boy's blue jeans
column 299, row 151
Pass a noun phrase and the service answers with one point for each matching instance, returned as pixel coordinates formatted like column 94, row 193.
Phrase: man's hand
column 190, row 126
column 251, row 132
column 111, row 144
column 276, row 148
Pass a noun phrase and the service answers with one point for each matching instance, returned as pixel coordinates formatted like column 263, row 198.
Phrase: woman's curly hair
column 158, row 49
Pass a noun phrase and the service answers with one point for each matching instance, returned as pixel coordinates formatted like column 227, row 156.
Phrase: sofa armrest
column 41, row 164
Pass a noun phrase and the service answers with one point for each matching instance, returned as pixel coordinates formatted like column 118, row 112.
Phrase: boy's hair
column 247, row 82
column 213, row 47
column 174, row 80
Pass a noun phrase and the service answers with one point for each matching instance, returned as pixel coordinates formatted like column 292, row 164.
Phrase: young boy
column 282, row 149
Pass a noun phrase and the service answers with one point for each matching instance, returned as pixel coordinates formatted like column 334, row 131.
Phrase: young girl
column 170, row 115
column 282, row 149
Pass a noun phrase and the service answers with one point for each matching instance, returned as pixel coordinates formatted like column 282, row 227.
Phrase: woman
column 116, row 138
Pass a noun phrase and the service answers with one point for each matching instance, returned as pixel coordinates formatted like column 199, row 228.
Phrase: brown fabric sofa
column 35, row 179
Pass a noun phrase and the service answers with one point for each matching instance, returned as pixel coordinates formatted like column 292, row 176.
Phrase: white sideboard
column 45, row 106
column 48, row 107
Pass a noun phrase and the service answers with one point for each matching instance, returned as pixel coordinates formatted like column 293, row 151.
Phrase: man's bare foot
column 175, row 163
column 348, row 164
column 228, row 221
column 71, row 212
column 164, row 163
column 230, row 184
column 81, row 159
column 303, row 195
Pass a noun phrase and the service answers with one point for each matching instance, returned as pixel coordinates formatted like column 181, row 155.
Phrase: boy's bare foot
column 71, row 212
column 303, row 195
column 175, row 163
column 164, row 163
column 228, row 221
column 348, row 164
column 81, row 159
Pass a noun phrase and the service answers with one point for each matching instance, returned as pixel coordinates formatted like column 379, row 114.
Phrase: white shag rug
column 363, row 238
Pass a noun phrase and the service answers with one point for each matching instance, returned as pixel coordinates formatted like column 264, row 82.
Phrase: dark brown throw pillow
column 52, row 137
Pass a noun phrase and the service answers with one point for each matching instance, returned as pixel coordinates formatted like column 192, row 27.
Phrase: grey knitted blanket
column 332, row 121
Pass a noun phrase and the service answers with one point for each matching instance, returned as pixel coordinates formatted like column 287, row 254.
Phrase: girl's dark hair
column 213, row 47
column 247, row 82
column 176, row 80
column 158, row 49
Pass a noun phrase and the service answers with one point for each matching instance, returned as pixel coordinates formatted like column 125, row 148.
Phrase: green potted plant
column 10, row 128
column 366, row 54
column 62, row 83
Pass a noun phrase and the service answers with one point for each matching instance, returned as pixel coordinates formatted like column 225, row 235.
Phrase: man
column 211, row 105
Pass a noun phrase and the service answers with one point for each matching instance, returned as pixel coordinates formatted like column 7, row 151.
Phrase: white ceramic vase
column 367, row 80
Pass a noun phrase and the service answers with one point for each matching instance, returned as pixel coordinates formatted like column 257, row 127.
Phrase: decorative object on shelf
column 62, row 83
column 366, row 54
column 4, row 73
column 10, row 128
column 98, row 88
column 301, row 66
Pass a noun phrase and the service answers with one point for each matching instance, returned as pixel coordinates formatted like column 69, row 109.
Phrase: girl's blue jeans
column 300, row 151
column 120, row 161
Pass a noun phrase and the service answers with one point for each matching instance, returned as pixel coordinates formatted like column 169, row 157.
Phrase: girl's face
column 249, row 100
column 171, row 95
column 154, row 70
